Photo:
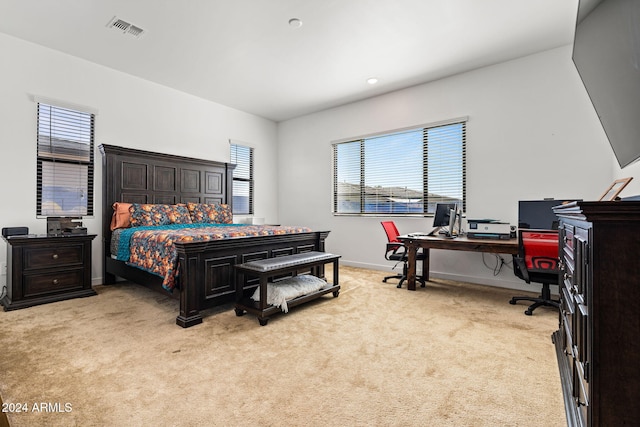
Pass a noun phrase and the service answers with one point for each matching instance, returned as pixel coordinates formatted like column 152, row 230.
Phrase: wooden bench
column 268, row 268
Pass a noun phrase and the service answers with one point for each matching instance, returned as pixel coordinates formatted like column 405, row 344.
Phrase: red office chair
column 396, row 251
column 537, row 261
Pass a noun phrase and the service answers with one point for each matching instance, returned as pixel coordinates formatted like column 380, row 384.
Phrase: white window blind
column 65, row 162
column 242, row 156
column 404, row 172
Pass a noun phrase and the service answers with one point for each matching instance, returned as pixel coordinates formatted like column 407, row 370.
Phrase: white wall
column 131, row 112
column 532, row 133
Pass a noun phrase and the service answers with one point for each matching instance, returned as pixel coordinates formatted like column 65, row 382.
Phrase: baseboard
column 516, row 284
column 368, row 266
column 496, row 282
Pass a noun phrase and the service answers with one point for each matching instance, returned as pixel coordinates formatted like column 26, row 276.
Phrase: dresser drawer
column 569, row 231
column 580, row 390
column 568, row 276
column 57, row 281
column 52, row 256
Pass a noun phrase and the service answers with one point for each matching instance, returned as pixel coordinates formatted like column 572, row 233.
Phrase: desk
column 461, row 243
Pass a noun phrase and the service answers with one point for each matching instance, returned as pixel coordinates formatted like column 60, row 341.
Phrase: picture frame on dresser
column 614, row 189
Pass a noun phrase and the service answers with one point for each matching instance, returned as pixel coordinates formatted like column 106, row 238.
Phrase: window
column 242, row 156
column 65, row 162
column 405, row 172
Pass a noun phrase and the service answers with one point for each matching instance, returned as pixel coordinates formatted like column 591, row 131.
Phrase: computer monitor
column 538, row 214
column 455, row 222
column 442, row 216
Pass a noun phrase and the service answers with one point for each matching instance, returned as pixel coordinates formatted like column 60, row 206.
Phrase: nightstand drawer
column 57, row 281
column 52, row 256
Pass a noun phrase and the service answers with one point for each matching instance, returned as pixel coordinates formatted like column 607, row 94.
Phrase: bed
column 206, row 275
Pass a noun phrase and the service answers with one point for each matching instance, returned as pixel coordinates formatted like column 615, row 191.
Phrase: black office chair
column 537, row 262
column 396, row 251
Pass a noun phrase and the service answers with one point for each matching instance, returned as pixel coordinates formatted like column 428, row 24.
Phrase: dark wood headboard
column 137, row 176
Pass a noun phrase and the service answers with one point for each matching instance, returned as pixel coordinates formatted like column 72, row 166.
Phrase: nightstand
column 43, row 269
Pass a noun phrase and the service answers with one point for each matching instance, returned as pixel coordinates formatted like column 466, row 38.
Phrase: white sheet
column 280, row 292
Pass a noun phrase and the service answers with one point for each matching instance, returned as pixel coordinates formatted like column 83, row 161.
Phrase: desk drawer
column 56, row 281
column 52, row 256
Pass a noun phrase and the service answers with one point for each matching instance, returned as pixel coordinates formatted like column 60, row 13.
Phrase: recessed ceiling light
column 372, row 80
column 295, row 23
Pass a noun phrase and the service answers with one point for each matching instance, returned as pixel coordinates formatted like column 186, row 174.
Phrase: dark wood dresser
column 43, row 269
column 598, row 341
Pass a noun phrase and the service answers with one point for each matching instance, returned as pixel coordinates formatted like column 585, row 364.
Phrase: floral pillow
column 216, row 213
column 153, row 214
column 148, row 214
column 179, row 214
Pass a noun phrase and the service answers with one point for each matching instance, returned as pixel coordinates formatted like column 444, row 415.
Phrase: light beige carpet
column 451, row 354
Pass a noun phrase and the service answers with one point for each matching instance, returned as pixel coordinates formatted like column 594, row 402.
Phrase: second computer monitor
column 455, row 223
column 443, row 214
column 538, row 214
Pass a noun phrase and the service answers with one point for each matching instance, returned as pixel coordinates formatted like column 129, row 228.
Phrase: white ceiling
column 244, row 54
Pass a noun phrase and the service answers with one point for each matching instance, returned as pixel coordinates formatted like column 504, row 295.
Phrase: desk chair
column 396, row 251
column 537, row 261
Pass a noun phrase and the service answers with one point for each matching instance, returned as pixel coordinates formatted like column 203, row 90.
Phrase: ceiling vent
column 125, row 27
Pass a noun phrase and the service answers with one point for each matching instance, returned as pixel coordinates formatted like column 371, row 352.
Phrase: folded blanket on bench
column 287, row 289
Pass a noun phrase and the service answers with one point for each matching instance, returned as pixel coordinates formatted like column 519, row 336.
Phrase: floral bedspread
column 152, row 249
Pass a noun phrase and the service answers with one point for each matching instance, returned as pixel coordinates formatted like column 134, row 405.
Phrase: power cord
column 4, row 292
column 499, row 263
